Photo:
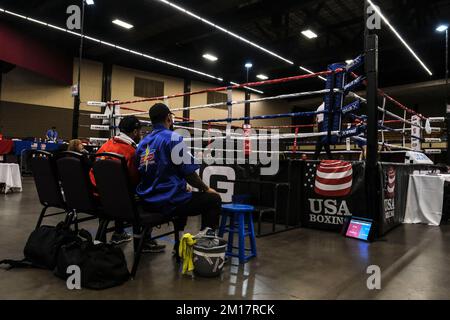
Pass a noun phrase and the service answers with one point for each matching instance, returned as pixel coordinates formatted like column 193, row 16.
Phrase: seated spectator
column 77, row 146
column 163, row 184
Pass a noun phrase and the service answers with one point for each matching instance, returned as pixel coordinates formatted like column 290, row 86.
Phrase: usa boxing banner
column 332, row 190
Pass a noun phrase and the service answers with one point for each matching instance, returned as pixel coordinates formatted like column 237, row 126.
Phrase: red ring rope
column 398, row 104
column 236, row 86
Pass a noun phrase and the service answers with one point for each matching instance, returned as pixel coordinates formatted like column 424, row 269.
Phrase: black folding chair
column 43, row 167
column 119, row 202
column 73, row 171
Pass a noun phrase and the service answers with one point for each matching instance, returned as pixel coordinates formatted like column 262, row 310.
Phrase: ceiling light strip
column 248, row 88
column 112, row 45
column 378, row 11
column 312, row 72
column 234, row 35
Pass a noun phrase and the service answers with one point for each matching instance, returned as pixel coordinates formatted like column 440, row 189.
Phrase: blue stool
column 241, row 222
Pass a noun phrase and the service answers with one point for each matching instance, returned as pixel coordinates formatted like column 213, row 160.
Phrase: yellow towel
column 186, row 251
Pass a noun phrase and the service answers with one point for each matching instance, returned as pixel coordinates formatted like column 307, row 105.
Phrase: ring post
column 331, row 109
column 372, row 174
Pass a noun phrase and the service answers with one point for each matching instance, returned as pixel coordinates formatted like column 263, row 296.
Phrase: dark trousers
column 322, row 145
column 119, row 226
column 208, row 205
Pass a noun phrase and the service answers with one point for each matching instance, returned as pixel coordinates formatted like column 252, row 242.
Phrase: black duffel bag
column 72, row 253
column 101, row 265
column 42, row 247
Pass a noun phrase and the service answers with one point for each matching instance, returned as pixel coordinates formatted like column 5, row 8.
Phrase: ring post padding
column 404, row 128
column 229, row 109
column 334, row 101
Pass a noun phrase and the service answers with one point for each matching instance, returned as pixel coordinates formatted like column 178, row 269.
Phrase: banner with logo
column 395, row 182
column 332, row 191
column 244, row 183
column 319, row 194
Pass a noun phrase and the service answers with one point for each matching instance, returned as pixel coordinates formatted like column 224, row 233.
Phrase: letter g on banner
column 373, row 19
column 74, row 20
column 227, row 172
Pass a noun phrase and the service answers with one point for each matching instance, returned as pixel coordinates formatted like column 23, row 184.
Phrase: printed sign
column 333, row 190
column 416, row 133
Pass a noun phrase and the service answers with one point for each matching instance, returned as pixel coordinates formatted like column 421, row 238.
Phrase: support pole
column 106, row 92
column 247, row 106
column 372, row 174
column 187, row 99
column 76, row 101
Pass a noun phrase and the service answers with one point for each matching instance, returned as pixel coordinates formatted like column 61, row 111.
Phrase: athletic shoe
column 206, row 233
column 153, row 247
column 118, row 238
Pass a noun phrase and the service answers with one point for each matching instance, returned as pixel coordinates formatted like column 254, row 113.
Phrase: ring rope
column 236, row 86
column 397, row 103
column 240, row 102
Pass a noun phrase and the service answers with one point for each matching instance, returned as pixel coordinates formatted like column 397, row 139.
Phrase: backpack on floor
column 43, row 246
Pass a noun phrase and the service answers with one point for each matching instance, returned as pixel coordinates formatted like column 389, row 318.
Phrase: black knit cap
column 158, row 112
column 129, row 123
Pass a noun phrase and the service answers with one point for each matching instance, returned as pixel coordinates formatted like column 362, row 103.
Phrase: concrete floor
column 299, row 264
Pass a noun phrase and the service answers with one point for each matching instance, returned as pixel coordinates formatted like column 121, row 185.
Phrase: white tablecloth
column 425, row 199
column 10, row 175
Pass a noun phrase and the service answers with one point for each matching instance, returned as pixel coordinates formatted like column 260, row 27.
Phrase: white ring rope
column 239, row 102
column 267, row 137
column 385, row 144
column 209, row 150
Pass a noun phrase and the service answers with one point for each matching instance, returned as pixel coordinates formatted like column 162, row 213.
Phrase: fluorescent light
column 248, row 65
column 309, row 34
column 113, row 45
column 348, row 61
column 89, row 2
column 442, row 28
column 123, row 24
column 311, row 72
column 210, row 57
column 378, row 11
column 248, row 88
column 262, row 77
column 232, row 34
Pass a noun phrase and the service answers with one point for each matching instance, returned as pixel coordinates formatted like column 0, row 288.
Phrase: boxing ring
column 261, row 165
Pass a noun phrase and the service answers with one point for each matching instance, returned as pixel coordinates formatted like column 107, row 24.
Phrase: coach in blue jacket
column 163, row 179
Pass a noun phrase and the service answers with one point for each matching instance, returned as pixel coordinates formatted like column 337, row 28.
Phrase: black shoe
column 153, row 247
column 118, row 238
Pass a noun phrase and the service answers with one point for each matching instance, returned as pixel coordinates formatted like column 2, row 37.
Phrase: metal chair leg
column 101, row 230
column 177, row 242
column 138, row 251
column 41, row 217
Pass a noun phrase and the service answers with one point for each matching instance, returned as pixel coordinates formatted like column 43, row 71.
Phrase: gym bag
column 42, row 247
column 71, row 253
column 101, row 265
column 209, row 256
